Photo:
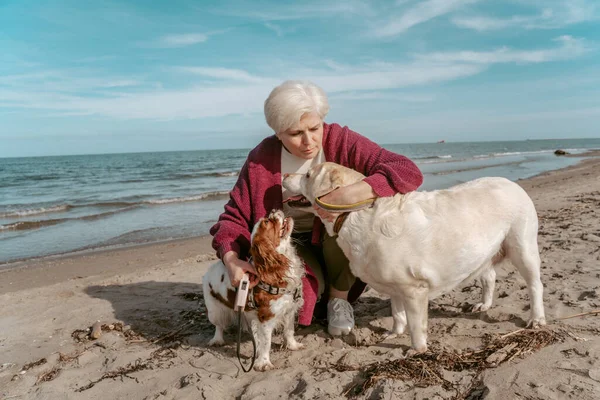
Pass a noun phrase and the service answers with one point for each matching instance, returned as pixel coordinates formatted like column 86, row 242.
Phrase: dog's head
column 317, row 182
column 271, row 237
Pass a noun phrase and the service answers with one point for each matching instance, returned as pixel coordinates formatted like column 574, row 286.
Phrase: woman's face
column 304, row 139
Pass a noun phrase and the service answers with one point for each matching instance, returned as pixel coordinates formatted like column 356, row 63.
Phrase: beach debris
column 93, row 333
column 6, row 366
column 427, row 369
column 561, row 152
column 49, row 375
column 121, row 372
column 593, row 312
column 190, row 296
column 162, row 357
column 30, row 365
column 96, row 330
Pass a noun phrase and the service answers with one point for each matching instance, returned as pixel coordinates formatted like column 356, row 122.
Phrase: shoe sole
column 335, row 331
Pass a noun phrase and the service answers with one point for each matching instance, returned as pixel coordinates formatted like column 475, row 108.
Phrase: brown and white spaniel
column 274, row 302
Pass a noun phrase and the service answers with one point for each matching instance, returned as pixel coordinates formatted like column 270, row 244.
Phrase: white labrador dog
column 416, row 246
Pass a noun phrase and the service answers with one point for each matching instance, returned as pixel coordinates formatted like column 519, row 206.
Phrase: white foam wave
column 34, row 211
column 199, row 197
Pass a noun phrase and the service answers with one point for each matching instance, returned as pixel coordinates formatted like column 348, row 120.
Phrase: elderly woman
column 296, row 112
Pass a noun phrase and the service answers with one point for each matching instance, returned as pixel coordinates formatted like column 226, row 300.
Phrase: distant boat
column 441, row 141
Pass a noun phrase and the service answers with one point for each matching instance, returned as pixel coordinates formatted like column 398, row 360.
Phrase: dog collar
column 274, row 290
column 361, row 205
column 339, row 221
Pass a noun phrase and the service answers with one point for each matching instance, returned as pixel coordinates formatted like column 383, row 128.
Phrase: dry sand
column 151, row 295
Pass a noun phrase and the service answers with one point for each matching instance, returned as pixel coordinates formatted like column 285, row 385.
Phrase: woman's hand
column 236, row 269
column 347, row 195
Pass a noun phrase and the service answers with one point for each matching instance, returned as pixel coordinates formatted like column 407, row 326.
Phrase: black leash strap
column 239, row 340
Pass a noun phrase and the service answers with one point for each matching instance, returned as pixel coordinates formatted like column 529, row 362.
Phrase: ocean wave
column 206, row 174
column 442, row 157
column 438, row 160
column 230, row 173
column 122, row 207
column 26, row 225
column 36, row 211
column 510, row 153
column 203, row 196
column 475, row 168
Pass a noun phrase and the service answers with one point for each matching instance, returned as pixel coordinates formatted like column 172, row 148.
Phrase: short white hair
column 289, row 101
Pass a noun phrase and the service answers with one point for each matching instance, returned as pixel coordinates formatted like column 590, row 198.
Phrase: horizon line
column 250, row 148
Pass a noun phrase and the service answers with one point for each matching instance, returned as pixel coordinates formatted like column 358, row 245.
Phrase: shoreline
column 23, row 274
column 19, row 263
column 155, row 289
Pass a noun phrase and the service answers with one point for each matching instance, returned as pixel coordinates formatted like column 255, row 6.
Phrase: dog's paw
column 536, row 323
column 413, row 352
column 294, row 345
column 216, row 342
column 479, row 307
column 394, row 333
column 263, row 366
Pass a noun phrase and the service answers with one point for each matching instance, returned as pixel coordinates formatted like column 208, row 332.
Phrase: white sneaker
column 340, row 316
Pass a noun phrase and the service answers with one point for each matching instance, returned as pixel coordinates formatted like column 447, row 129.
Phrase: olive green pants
column 328, row 262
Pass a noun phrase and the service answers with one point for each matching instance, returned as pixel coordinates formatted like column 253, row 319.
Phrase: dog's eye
column 308, row 174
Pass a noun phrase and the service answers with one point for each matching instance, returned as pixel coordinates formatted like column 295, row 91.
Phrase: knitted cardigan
column 258, row 191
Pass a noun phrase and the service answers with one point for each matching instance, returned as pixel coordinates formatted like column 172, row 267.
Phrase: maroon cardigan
column 258, row 189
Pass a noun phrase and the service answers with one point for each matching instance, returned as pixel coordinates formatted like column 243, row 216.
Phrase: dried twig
column 48, row 376
column 138, row 365
column 30, row 365
column 593, row 312
column 427, row 369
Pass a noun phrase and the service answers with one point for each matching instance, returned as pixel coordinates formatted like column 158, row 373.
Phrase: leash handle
column 240, row 304
column 242, row 293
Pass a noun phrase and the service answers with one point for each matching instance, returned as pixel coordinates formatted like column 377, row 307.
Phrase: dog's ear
column 336, row 178
column 269, row 264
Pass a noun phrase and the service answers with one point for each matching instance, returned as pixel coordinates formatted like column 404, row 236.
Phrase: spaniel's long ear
column 269, row 264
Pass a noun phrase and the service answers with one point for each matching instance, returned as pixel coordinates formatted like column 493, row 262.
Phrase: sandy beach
column 153, row 345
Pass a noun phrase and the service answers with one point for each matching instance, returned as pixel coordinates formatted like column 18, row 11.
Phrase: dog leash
column 240, row 303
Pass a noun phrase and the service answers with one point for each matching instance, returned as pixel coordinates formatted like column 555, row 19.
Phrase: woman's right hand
column 236, row 269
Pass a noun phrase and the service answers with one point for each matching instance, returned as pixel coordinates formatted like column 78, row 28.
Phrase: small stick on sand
column 593, row 312
column 512, row 333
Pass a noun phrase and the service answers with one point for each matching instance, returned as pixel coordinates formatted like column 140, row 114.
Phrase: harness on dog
column 274, row 290
column 250, row 304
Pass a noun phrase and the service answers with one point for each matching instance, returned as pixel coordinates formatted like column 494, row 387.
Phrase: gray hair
column 289, row 101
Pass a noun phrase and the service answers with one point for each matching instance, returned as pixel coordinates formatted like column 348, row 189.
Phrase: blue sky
column 82, row 77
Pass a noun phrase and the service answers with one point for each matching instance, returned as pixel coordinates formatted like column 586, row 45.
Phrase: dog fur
column 277, row 264
column 416, row 246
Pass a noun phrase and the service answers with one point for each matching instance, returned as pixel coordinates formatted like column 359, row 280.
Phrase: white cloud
column 222, row 73
column 275, row 28
column 569, row 48
column 66, row 81
column 236, row 92
column 283, row 12
column 419, row 13
column 223, row 91
column 550, row 15
column 182, row 40
column 401, row 97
